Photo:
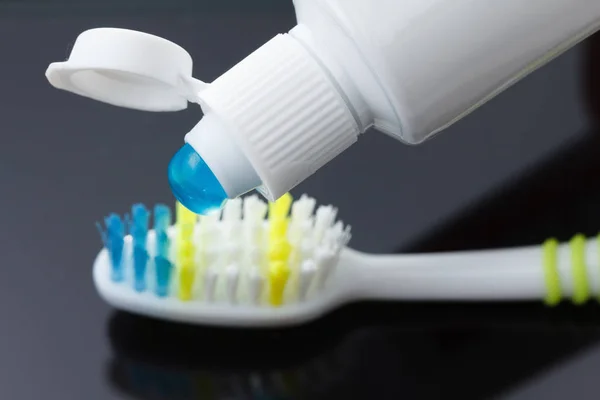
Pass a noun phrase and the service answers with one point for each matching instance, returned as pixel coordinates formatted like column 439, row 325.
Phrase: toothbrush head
column 236, row 268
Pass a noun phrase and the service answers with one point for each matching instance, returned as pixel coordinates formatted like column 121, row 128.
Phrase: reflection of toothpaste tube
column 408, row 68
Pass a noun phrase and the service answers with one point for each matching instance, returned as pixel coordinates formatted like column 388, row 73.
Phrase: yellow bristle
column 186, row 221
column 186, row 274
column 185, row 249
column 281, row 207
column 185, row 216
column 279, row 249
column 185, row 232
column 278, row 229
column 278, row 221
column 279, row 273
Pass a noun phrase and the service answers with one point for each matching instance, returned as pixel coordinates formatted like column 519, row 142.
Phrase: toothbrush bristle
column 162, row 265
column 307, row 272
column 233, row 210
column 114, row 240
column 138, row 230
column 240, row 256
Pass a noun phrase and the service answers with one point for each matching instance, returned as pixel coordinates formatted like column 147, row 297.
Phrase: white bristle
column 210, row 281
column 303, row 208
column 229, row 254
column 200, row 256
column 294, row 233
column 253, row 255
column 334, row 232
column 210, row 219
column 324, row 218
column 338, row 227
column 261, row 210
column 256, row 281
column 250, row 256
column 346, row 236
column 254, row 214
column 308, row 270
column 206, row 228
column 324, row 260
column 307, row 248
column 214, row 215
column 255, row 209
column 307, row 229
column 197, row 233
column 204, row 231
column 334, row 237
column 252, row 234
column 232, row 273
column 301, row 220
column 233, row 210
column 212, row 255
column 232, row 252
column 248, row 205
column 232, row 218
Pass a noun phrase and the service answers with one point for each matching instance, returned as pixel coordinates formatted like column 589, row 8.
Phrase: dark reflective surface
column 522, row 168
column 386, row 351
column 391, row 351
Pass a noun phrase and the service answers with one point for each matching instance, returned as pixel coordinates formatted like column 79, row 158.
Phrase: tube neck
column 284, row 113
column 212, row 140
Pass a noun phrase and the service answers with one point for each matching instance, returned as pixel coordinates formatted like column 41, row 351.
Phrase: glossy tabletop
column 519, row 169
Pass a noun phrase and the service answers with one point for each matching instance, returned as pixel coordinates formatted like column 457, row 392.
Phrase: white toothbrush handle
column 506, row 274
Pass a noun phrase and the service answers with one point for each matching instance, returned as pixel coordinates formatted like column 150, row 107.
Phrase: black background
column 520, row 169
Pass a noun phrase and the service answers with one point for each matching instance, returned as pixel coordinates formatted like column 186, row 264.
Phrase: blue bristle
column 140, row 260
column 162, row 217
column 162, row 221
column 139, row 233
column 112, row 238
column 163, row 275
column 139, row 225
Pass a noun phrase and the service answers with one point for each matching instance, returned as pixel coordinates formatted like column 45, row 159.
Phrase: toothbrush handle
column 505, row 274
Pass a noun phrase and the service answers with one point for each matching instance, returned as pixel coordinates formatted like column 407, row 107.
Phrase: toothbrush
column 242, row 269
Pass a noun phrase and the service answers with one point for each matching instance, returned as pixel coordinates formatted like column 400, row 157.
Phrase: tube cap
column 128, row 69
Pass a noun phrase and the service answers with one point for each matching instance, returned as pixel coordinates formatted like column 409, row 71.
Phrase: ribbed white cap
column 284, row 112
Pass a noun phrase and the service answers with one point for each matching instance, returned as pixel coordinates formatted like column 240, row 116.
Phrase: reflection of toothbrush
column 243, row 270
